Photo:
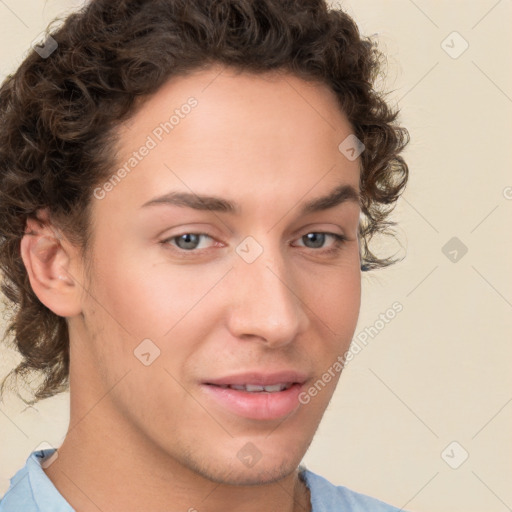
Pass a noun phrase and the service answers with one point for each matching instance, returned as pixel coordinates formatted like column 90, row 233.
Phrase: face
column 194, row 306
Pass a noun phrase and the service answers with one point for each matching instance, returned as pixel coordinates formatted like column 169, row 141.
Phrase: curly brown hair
column 58, row 116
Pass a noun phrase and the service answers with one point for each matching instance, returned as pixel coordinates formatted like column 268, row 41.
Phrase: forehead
column 246, row 133
column 235, row 98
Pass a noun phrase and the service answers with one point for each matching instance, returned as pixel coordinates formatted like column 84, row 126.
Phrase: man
column 188, row 193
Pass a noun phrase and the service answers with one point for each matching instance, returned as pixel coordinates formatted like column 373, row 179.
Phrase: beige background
column 440, row 370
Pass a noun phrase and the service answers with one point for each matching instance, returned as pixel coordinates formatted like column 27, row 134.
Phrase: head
column 161, row 226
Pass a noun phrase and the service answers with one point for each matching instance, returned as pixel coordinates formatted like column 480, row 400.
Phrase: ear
column 47, row 257
column 361, row 264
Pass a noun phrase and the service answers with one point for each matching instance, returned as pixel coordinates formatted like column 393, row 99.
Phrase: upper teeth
column 255, row 388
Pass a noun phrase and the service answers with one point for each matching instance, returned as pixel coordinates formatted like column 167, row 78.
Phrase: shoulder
column 19, row 495
column 326, row 497
column 31, row 490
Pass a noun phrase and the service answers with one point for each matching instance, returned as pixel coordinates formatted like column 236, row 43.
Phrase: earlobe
column 47, row 264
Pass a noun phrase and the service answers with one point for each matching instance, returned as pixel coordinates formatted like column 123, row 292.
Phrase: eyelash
column 339, row 241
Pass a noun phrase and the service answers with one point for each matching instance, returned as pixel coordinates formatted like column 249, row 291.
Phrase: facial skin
column 152, row 437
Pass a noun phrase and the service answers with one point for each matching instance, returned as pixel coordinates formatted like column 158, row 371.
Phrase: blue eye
column 189, row 242
column 319, row 240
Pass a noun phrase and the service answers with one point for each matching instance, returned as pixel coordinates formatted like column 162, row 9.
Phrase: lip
column 260, row 378
column 260, row 405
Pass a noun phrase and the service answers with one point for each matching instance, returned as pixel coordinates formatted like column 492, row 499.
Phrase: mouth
column 256, row 396
column 255, row 388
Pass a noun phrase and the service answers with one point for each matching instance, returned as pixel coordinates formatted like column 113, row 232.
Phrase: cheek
column 148, row 297
column 134, row 300
column 334, row 311
column 335, row 297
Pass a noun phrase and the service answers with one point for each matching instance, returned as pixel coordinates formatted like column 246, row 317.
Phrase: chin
column 259, row 474
column 231, row 471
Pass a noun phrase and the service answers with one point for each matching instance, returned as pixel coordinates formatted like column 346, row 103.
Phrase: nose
column 266, row 301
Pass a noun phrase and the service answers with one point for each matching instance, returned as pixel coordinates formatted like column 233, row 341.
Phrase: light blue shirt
column 32, row 491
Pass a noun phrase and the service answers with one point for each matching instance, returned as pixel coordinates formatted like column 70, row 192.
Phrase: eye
column 187, row 241
column 190, row 242
column 317, row 239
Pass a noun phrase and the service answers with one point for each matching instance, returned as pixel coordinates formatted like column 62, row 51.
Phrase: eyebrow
column 337, row 196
